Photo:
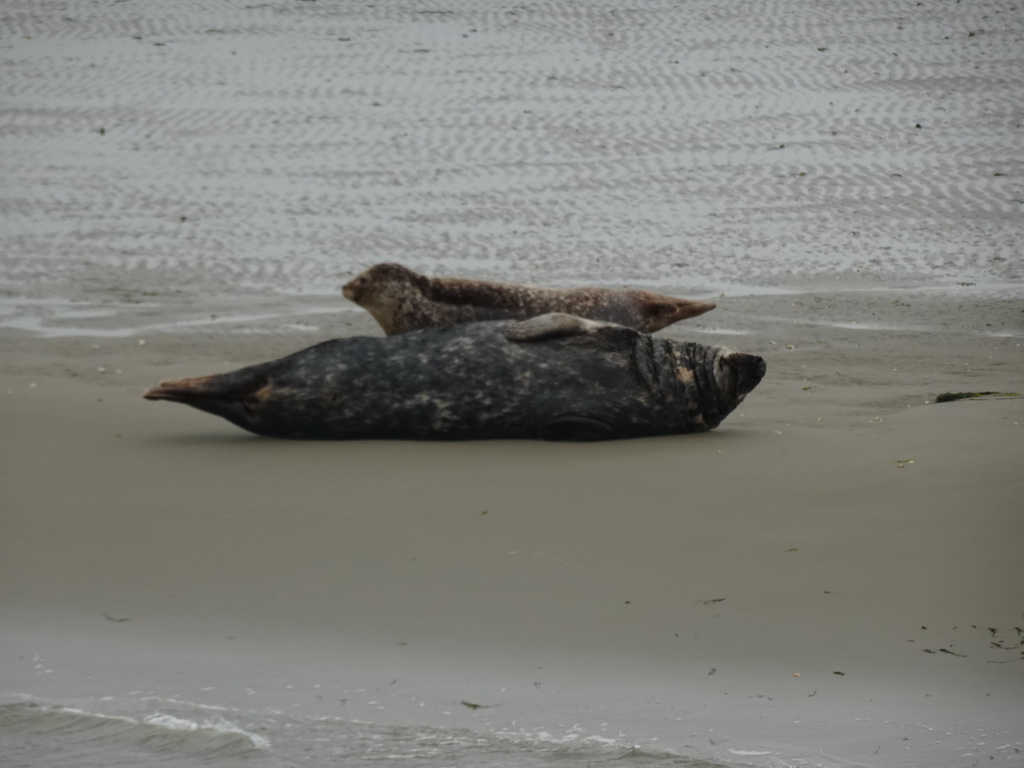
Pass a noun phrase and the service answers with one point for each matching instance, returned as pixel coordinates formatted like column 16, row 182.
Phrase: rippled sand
column 162, row 159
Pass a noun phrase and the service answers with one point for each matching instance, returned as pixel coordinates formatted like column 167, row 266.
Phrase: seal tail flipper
column 236, row 396
column 558, row 325
column 662, row 311
column 681, row 309
column 185, row 390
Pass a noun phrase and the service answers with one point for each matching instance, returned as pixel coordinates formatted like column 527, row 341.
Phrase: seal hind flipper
column 234, row 396
column 557, row 325
column 666, row 312
column 184, row 390
column 577, row 429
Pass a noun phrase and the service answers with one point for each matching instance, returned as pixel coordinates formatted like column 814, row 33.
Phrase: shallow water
column 181, row 735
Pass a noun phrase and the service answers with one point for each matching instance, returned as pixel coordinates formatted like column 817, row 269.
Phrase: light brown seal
column 402, row 300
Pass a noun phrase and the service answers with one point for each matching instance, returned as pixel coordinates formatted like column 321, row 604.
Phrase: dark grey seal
column 554, row 377
column 402, row 300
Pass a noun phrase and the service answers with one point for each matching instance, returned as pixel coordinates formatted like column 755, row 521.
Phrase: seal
column 402, row 300
column 554, row 377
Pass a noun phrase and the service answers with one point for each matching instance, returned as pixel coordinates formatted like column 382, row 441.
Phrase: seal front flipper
column 577, row 428
column 558, row 325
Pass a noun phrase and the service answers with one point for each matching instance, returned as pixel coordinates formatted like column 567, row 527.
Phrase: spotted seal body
column 402, row 300
column 555, row 377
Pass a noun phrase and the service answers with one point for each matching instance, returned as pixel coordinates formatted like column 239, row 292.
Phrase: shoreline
column 323, row 316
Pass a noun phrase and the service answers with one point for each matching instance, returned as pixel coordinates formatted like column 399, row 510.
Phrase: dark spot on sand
column 948, row 397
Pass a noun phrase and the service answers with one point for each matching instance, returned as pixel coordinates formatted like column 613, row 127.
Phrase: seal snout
column 350, row 290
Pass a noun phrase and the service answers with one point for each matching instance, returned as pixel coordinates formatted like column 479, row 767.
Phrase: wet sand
column 832, row 575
